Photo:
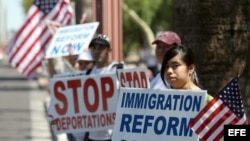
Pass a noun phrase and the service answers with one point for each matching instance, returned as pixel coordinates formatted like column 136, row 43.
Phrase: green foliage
column 145, row 9
column 163, row 16
column 157, row 14
column 26, row 4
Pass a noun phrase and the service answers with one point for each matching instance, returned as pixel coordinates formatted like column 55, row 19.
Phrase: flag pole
column 241, row 69
column 70, row 49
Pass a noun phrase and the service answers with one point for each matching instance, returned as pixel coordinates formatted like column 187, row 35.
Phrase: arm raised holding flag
column 27, row 49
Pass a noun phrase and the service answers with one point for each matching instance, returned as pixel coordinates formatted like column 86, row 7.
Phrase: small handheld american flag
column 226, row 108
column 27, row 48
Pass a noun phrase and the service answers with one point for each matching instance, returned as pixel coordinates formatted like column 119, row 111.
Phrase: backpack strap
column 118, row 66
column 88, row 71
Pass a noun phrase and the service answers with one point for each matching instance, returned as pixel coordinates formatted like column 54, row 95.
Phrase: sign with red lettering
column 133, row 78
column 83, row 103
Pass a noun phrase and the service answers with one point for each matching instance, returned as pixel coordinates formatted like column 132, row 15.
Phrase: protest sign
column 133, row 78
column 70, row 74
column 83, row 103
column 148, row 115
column 71, row 40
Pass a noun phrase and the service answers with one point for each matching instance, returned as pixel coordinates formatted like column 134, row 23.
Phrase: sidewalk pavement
column 23, row 107
column 22, row 112
column 43, row 83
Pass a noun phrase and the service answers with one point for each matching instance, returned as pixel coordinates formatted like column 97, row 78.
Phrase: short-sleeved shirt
column 157, row 83
column 104, row 134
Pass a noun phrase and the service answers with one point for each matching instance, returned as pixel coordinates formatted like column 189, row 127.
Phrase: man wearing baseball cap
column 100, row 39
column 163, row 42
column 100, row 49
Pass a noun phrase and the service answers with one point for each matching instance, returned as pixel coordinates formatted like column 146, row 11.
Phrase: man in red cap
column 163, row 42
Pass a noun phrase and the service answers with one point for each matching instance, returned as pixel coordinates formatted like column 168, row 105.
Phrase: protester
column 85, row 61
column 100, row 49
column 163, row 41
column 72, row 60
column 178, row 69
column 61, row 65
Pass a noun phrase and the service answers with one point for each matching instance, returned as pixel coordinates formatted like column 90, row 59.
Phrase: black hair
column 187, row 56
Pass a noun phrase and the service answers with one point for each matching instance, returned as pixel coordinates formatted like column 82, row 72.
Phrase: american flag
column 226, row 108
column 27, row 48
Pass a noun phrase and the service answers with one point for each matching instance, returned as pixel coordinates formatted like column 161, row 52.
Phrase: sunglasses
column 101, row 36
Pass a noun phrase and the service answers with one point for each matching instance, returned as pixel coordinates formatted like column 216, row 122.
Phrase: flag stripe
column 219, row 136
column 198, row 123
column 34, row 65
column 211, row 104
column 43, row 42
column 32, row 12
column 212, row 124
column 27, row 49
column 40, row 46
column 225, row 108
column 219, row 132
column 218, row 125
column 30, row 68
column 214, row 116
column 32, row 47
column 28, row 26
column 37, row 56
column 35, row 48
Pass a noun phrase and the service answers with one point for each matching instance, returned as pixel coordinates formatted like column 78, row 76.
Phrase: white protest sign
column 71, row 39
column 133, row 78
column 70, row 74
column 83, row 103
column 156, row 115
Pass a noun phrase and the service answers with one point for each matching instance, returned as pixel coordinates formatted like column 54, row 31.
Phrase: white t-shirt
column 104, row 134
column 157, row 83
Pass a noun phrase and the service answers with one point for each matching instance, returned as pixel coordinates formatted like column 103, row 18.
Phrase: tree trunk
column 219, row 33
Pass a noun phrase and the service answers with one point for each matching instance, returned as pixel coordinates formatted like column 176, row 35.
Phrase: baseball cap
column 100, row 39
column 168, row 37
column 85, row 55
